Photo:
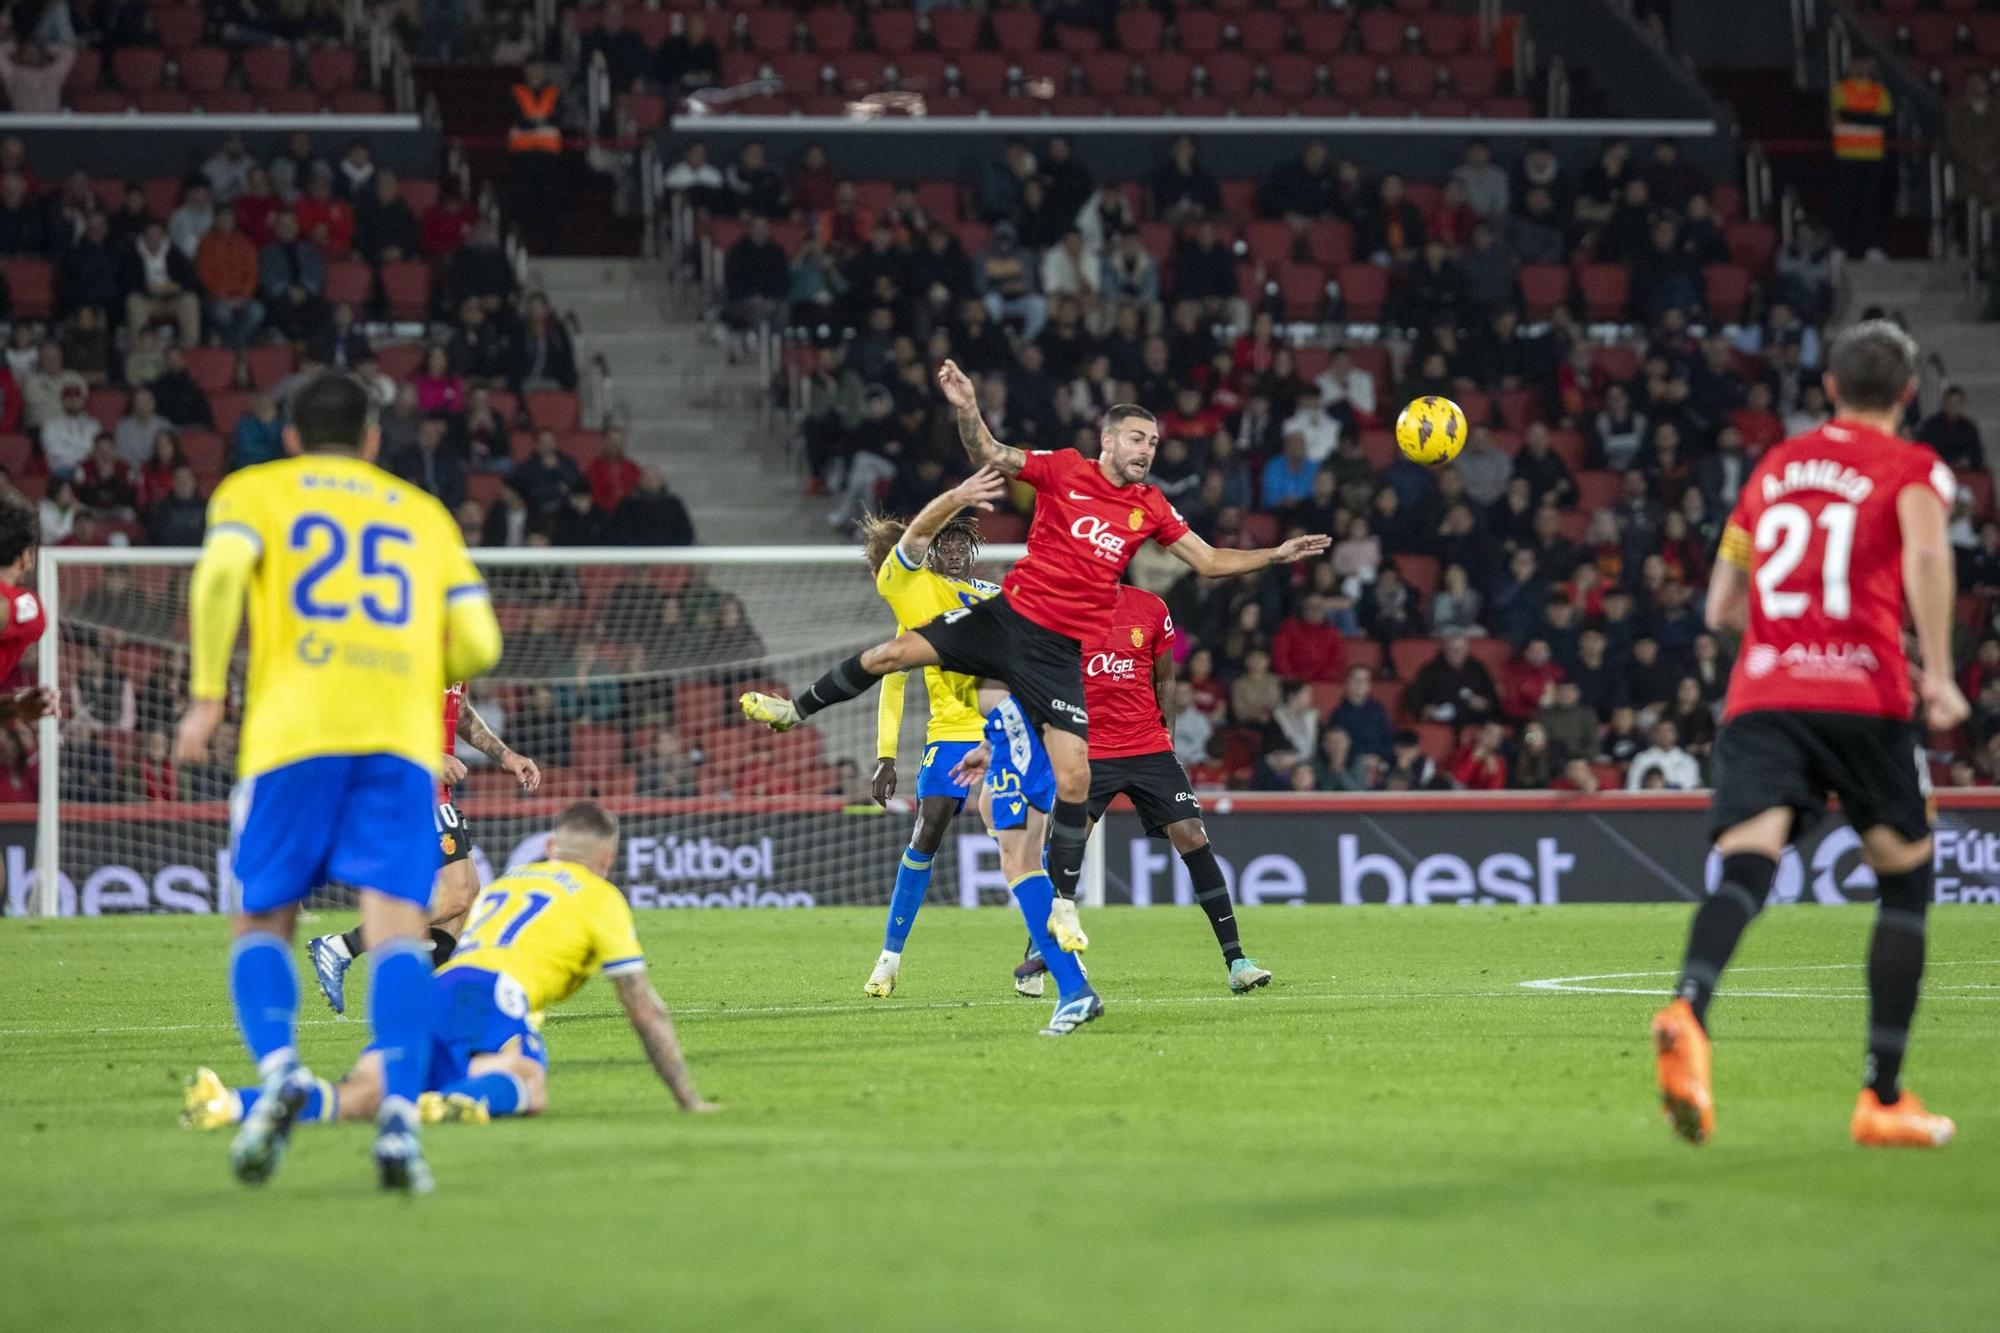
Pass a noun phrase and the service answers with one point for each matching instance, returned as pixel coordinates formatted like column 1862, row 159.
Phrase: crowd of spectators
column 1528, row 616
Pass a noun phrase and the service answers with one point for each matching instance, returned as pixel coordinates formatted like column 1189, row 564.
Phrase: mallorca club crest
column 1136, row 519
column 1138, row 637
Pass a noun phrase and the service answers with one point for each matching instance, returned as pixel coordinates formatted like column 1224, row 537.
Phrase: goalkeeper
column 922, row 572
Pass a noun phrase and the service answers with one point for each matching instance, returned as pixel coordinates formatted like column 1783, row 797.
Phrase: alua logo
column 1099, row 534
column 1813, row 659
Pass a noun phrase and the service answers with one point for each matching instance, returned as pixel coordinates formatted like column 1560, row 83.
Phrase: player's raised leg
column 850, row 679
column 1069, row 830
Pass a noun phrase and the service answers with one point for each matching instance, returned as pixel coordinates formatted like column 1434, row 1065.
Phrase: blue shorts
column 1020, row 776
column 934, row 778
column 363, row 820
column 476, row 1012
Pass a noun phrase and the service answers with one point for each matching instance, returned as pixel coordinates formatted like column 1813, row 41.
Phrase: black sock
column 1719, row 924
column 1068, row 830
column 847, row 681
column 352, row 939
column 442, row 943
column 1895, row 976
column 1212, row 892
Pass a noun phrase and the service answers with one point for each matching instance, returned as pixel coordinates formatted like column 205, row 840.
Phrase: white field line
column 1932, row 990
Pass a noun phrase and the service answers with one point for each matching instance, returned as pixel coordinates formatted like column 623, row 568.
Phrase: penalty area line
column 1576, row 985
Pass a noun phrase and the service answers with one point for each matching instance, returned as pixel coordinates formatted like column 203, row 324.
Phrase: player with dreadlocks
column 923, row 571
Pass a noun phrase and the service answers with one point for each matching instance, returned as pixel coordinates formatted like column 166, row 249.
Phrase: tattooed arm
column 648, row 1013
column 980, row 446
column 473, row 729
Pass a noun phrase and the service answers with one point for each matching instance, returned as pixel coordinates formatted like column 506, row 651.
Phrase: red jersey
column 1118, row 678
column 1817, row 530
column 1085, row 532
column 23, row 625
column 454, row 696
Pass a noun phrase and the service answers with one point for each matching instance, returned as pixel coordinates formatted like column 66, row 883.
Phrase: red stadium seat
column 1544, row 287
column 1567, row 445
column 1261, row 32
column 406, row 285
column 1169, row 73
column 1605, row 288
column 772, row 31
column 178, row 26
column 1382, row 33
column 1269, row 241
column 138, row 69
column 1199, row 31
column 1292, row 76
column 1075, row 40
column 267, row 365
column 330, row 69
column 85, row 70
column 204, row 69
column 1322, row 34
column 227, row 102
column 163, row 195
column 212, row 367
column 1728, row 201
column 955, row 29
column 893, row 31
column 1477, row 405
column 32, row 284
column 1596, row 490
column 267, row 70
column 1932, row 36
column 107, row 405
column 1139, row 31
column 205, row 451
column 96, row 102
column 651, row 26
column 356, row 102
column 1728, row 289
column 15, row 453
column 1364, row 288
column 1420, row 572
column 1231, row 74
column 292, row 102
column 1408, row 657
column 1108, row 73
column 1519, row 407
column 1475, row 77
column 1351, row 77
column 1303, row 289
column 229, row 407
column 1751, row 244
column 349, row 281
column 831, row 30
column 399, row 361
column 1413, row 76
column 1446, row 34
column 552, row 409
column 1017, row 31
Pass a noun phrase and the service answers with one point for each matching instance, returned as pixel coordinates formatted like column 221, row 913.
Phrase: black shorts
column 1044, row 669
column 1157, row 784
column 1874, row 764
column 454, row 834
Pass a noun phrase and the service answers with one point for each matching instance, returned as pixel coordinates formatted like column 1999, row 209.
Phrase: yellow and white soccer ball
column 1431, row 430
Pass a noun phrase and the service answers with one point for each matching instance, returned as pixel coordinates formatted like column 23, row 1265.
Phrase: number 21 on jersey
column 1785, row 532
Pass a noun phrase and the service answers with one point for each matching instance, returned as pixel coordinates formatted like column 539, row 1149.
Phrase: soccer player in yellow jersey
column 922, row 572
column 362, row 604
column 535, row 936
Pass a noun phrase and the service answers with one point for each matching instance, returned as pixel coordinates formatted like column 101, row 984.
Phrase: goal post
column 620, row 676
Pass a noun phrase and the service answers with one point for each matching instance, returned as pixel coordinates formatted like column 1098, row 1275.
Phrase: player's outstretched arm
column 977, row 491
column 648, row 1013
column 215, row 611
column 1929, row 584
column 472, row 729
column 1210, row 563
column 980, row 446
column 472, row 632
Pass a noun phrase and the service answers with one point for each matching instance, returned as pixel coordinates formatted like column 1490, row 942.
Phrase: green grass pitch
column 1396, row 1135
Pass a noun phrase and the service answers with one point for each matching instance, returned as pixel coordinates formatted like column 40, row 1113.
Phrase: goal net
column 619, row 679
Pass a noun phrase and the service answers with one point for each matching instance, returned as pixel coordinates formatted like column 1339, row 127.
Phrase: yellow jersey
column 918, row 595
column 550, row 926
column 348, row 570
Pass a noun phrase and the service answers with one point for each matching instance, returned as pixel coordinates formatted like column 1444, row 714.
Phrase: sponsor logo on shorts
column 1189, row 797
column 1108, row 544
column 1824, row 661
column 1074, row 711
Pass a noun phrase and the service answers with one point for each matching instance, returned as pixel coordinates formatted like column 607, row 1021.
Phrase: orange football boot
column 1683, row 1050
column 1905, row 1124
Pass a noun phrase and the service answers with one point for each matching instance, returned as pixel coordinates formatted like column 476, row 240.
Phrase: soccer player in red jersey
column 457, row 879
column 1091, row 515
column 21, row 618
column 1834, row 535
column 1128, row 681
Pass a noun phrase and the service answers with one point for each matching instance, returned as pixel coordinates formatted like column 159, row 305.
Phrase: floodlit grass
column 1396, row 1135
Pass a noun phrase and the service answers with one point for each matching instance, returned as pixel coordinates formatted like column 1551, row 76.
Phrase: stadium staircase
column 1934, row 301
column 688, row 412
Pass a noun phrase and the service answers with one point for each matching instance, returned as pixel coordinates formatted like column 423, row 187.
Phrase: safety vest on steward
column 534, row 130
column 1861, row 111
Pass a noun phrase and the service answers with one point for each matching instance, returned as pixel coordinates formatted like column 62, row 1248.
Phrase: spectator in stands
column 481, row 269
column 325, row 219
column 140, row 428
column 1530, row 681
column 144, row 359
column 1108, row 215
column 1972, row 134
column 1755, row 422
column 1068, row 270
column 616, row 50
column 68, row 434
column 1533, row 765
column 60, row 511
column 612, row 474
column 651, row 515
column 1309, row 648
column 1392, row 230
column 480, row 351
column 1337, row 765
column 292, row 278
column 1665, row 762
column 1294, row 722
column 1204, row 269
column 755, row 278
column 666, row 771
column 1485, row 184
column 44, row 389
column 105, row 483
column 449, row 225
column 228, row 169
column 440, row 390
column 1650, row 680
column 1480, row 763
column 191, row 221
column 10, row 401
column 1191, row 727
column 507, row 520
column 257, row 208
column 24, row 230
column 1182, row 187
column 1453, row 686
column 258, row 436
column 1693, row 719
column 1570, row 725
column 544, row 355
column 156, row 472
column 432, row 467
column 1006, row 281
column 1360, row 716
column 1301, row 189
column 1456, row 605
column 385, row 230
column 90, row 272
column 690, row 59
column 340, row 344
column 293, row 165
column 1256, row 691
column 1288, row 476
column 1003, row 180
column 179, row 399
column 547, row 476
column 756, row 188
column 33, row 75
column 1954, row 435
column 226, row 269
